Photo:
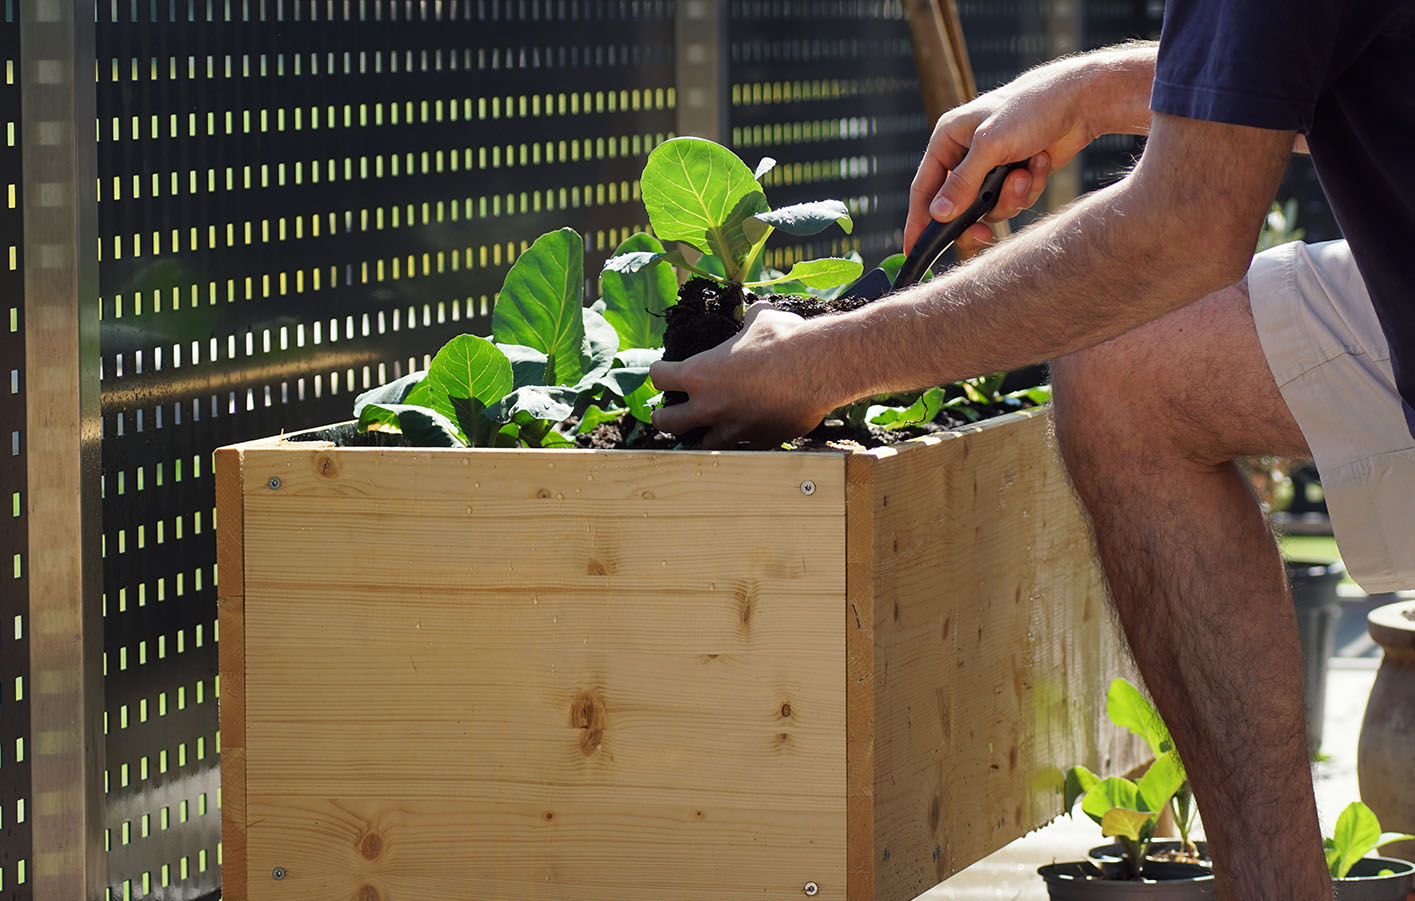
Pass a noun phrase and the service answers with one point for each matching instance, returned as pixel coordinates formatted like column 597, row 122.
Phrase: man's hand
column 1048, row 114
column 760, row 387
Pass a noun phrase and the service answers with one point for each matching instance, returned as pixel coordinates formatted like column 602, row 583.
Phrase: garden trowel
column 937, row 238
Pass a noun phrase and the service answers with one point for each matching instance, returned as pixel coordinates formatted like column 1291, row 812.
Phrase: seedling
column 1358, row 833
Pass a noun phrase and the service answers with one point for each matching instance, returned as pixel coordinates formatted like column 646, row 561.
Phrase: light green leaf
column 924, row 409
column 766, row 165
column 1388, row 837
column 1129, row 824
column 1110, row 793
column 1161, row 781
column 700, row 193
column 1130, row 709
column 1079, row 780
column 634, row 301
column 468, row 375
column 595, row 416
column 540, row 302
column 1357, row 832
column 811, row 218
column 823, row 273
column 642, row 400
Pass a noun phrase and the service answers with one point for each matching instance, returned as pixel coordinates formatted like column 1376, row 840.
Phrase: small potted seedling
column 1129, row 811
column 1356, row 876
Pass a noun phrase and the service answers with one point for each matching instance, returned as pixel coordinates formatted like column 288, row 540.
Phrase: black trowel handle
column 939, row 235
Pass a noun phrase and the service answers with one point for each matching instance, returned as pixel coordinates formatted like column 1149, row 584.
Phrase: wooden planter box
column 634, row 675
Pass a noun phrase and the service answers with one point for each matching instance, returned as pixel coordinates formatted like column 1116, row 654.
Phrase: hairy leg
column 1149, row 424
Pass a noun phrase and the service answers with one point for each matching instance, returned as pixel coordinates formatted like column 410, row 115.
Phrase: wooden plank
column 231, row 653
column 993, row 647
column 941, row 79
column 526, row 675
column 859, row 676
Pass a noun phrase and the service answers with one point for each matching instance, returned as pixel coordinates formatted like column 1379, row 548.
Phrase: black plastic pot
column 1362, row 883
column 1315, row 599
column 1085, row 881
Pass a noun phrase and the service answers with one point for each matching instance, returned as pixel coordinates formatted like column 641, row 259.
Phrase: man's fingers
column 678, row 419
column 974, row 238
column 666, row 376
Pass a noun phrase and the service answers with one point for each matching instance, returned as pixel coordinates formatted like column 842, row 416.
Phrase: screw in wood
column 279, row 872
column 811, row 888
column 273, row 485
column 808, row 488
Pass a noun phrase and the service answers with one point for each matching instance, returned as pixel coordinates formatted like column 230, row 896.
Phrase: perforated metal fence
column 15, row 840
column 299, row 199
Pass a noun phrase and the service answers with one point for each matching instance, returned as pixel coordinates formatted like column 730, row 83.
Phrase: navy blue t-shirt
column 1343, row 73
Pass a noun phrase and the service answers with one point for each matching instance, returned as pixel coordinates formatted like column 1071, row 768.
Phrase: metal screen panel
column 830, row 90
column 16, row 849
column 299, row 200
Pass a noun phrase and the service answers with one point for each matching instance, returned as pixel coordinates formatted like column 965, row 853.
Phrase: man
column 1171, row 357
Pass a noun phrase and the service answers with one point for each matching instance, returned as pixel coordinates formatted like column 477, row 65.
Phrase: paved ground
column 1010, row 874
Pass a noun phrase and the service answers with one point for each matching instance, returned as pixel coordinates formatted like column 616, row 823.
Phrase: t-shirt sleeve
column 1245, row 62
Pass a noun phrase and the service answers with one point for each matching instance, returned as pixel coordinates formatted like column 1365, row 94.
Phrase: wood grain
column 543, row 674
column 231, row 653
column 992, row 647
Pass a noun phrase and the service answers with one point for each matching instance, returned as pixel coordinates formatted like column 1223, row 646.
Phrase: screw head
column 279, row 872
column 810, row 888
column 808, row 488
column 273, row 485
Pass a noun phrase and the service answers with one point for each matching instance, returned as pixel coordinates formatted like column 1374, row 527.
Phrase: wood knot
column 587, row 715
column 746, row 595
column 785, row 709
column 549, row 816
column 371, row 845
column 368, row 893
column 935, row 812
column 326, row 467
column 600, row 567
column 543, row 493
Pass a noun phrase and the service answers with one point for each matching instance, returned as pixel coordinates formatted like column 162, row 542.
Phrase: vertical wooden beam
column 1063, row 38
column 231, row 607
column 704, row 95
column 62, row 434
column 941, row 75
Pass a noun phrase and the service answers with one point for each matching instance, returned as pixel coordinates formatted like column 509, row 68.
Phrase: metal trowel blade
column 871, row 286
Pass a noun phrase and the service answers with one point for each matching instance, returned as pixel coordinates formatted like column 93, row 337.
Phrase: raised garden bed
column 522, row 673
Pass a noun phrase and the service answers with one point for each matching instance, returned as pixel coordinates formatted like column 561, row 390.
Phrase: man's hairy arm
column 1180, row 226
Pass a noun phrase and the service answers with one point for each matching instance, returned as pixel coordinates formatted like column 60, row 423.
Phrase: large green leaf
column 634, row 302
column 601, row 343
column 527, row 364
column 394, row 392
column 1130, row 709
column 700, row 193
column 540, row 302
column 547, row 403
column 811, row 218
column 468, row 375
column 924, row 409
column 421, row 426
column 823, row 273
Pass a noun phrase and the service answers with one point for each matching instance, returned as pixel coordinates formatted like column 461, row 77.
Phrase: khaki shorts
column 1326, row 349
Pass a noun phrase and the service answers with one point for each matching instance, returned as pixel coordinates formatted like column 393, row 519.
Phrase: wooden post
column 704, row 94
column 62, row 433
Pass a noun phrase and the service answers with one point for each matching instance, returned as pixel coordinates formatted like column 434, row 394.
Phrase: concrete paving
column 1010, row 874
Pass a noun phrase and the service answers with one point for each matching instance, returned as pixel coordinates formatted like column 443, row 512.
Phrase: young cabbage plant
column 701, row 195
column 1126, row 810
column 548, row 358
column 1358, row 833
column 1128, row 708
